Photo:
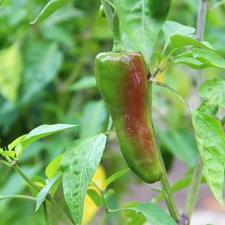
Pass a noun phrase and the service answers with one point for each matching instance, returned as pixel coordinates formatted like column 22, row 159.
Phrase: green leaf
column 7, row 153
column 94, row 119
column 42, row 62
column 154, row 214
column 53, row 166
column 208, row 57
column 214, row 90
column 209, row 107
column 16, row 142
column 135, row 218
column 173, row 142
column 43, row 193
column 142, row 29
column 115, row 176
column 49, row 8
column 79, row 164
column 193, row 63
column 83, row 83
column 171, row 28
column 10, row 70
column 178, row 41
column 109, row 193
column 211, row 144
column 38, row 133
column 95, row 196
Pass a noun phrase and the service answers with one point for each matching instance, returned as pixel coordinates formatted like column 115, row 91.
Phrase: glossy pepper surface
column 122, row 82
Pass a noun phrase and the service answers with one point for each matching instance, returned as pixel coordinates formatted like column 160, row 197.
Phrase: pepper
column 122, row 82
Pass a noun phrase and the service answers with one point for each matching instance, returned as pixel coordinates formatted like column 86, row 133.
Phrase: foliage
column 47, row 49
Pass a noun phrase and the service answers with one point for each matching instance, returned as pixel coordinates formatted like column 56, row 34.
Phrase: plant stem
column 47, row 221
column 194, row 188
column 171, row 204
column 48, row 197
column 103, row 218
column 197, row 174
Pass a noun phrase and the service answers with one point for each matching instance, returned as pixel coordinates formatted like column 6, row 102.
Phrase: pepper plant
column 129, row 79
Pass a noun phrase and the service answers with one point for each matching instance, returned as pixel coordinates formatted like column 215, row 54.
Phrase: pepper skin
column 122, row 83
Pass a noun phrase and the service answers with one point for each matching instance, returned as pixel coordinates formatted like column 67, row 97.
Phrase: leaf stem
column 171, row 89
column 102, row 192
column 48, row 197
column 18, row 196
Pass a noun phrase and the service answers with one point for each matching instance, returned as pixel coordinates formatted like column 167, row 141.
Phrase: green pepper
column 122, row 83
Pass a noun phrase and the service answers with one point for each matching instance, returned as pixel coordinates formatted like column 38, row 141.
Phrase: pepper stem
column 117, row 39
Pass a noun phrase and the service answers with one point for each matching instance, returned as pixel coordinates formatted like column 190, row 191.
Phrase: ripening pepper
column 122, row 83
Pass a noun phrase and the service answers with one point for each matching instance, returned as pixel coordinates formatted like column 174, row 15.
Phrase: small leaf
column 171, row 28
column 53, row 166
column 96, row 198
column 208, row 57
column 154, row 214
column 211, row 144
column 109, row 193
column 178, row 41
column 214, row 90
column 16, row 142
column 79, row 164
column 115, row 176
column 43, row 193
column 40, row 132
column 193, row 63
column 7, row 153
column 50, row 8
column 83, row 83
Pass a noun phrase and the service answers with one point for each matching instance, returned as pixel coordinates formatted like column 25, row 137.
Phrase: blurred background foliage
column 47, row 77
